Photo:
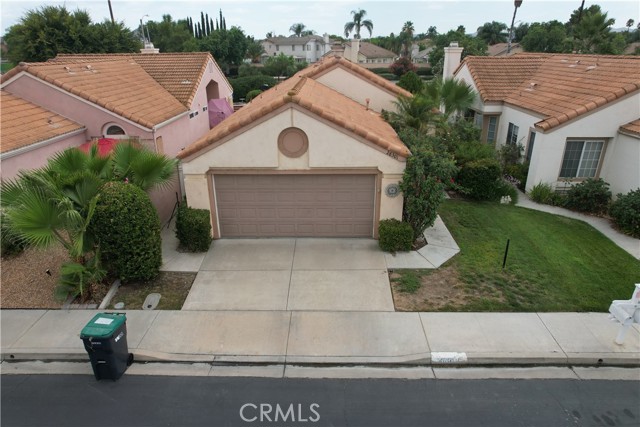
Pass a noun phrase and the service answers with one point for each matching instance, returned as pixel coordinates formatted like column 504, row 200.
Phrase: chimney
column 452, row 55
column 337, row 49
column 355, row 49
column 148, row 48
column 414, row 50
column 325, row 36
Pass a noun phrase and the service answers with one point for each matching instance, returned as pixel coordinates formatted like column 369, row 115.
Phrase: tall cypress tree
column 211, row 22
column 221, row 21
column 202, row 27
column 206, row 19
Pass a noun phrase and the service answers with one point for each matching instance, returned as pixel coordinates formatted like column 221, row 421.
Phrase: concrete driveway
column 292, row 274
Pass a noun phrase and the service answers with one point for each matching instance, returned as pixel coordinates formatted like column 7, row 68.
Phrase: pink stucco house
column 165, row 101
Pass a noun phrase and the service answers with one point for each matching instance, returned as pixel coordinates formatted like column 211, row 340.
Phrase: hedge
column 193, row 228
column 625, row 212
column 482, row 179
column 395, row 235
column 127, row 228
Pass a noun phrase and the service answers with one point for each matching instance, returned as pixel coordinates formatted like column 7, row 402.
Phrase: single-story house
column 160, row 100
column 575, row 115
column 301, row 159
column 303, row 49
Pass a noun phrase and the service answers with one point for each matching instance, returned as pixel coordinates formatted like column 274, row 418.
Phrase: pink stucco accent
column 9, row 167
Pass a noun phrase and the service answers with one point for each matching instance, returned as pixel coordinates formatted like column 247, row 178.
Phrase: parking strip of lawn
column 554, row 264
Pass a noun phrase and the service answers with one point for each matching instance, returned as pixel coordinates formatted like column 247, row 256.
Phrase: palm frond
column 149, row 170
column 68, row 161
column 36, row 219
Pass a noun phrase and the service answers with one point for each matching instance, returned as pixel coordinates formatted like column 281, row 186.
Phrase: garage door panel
column 295, row 205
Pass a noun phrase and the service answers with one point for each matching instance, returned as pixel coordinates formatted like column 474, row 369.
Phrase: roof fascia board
column 295, row 106
column 584, row 115
column 629, row 133
column 40, row 144
column 171, row 120
column 85, row 101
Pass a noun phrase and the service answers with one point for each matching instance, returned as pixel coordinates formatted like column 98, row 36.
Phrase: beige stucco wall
column 621, row 166
column 603, row 123
column 358, row 89
column 329, row 148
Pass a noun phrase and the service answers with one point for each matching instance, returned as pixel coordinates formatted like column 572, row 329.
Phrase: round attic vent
column 293, row 142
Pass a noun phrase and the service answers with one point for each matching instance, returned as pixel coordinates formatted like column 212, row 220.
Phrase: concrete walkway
column 303, row 337
column 603, row 225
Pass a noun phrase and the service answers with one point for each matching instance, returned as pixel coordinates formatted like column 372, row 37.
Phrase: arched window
column 114, row 130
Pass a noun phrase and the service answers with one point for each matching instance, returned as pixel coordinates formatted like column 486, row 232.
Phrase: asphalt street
column 80, row 400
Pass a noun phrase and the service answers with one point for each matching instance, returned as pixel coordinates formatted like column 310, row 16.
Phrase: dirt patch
column 25, row 282
column 173, row 288
column 440, row 290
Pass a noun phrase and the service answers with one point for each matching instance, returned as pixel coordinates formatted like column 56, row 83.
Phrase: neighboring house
column 301, row 159
column 575, row 115
column 420, row 56
column 500, row 49
column 303, row 49
column 363, row 53
column 160, row 100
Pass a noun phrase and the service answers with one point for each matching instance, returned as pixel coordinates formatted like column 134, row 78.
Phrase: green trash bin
column 105, row 340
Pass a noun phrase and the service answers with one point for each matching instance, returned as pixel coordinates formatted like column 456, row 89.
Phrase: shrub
column 424, row 71
column 473, row 150
column 388, row 76
column 395, row 235
column 243, row 85
column 11, row 244
column 411, row 82
column 506, row 192
column 127, row 228
column 402, row 66
column 422, row 186
column 193, row 228
column 252, row 94
column 482, row 179
column 541, row 193
column 591, row 195
column 518, row 173
column 625, row 212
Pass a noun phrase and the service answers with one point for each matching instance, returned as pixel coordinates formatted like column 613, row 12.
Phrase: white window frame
column 581, row 167
column 106, row 127
column 512, row 134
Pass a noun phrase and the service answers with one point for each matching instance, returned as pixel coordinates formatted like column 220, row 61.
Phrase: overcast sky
column 258, row 17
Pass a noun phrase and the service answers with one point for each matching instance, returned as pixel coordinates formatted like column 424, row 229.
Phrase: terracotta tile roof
column 497, row 77
column 24, row 123
column 632, row 127
column 121, row 86
column 315, row 98
column 370, row 50
column 559, row 87
column 500, row 49
column 329, row 63
column 179, row 73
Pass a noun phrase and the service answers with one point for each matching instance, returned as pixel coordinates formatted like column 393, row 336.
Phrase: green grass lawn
column 554, row 263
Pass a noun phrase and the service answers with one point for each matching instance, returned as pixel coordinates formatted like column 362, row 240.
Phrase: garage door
column 295, row 205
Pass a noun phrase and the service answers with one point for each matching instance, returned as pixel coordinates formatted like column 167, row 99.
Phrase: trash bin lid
column 103, row 325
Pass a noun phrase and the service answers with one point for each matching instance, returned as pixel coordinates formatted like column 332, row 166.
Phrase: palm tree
column 298, row 29
column 55, row 204
column 357, row 24
column 407, row 37
column 415, row 112
column 453, row 96
column 493, row 32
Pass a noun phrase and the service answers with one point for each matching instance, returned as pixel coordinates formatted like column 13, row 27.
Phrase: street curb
column 594, row 360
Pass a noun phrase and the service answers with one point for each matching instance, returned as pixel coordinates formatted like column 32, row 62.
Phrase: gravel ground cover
column 25, row 282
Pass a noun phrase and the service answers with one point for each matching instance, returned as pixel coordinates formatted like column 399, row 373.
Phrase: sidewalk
column 603, row 225
column 333, row 338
